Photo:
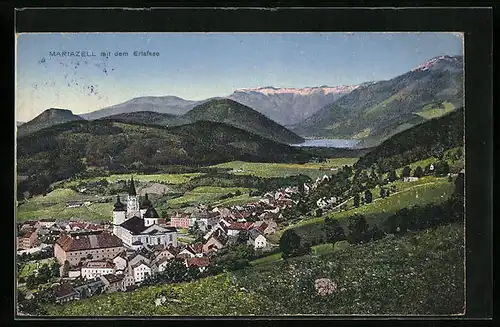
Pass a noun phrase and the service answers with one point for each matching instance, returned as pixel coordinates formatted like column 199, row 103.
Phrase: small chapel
column 136, row 224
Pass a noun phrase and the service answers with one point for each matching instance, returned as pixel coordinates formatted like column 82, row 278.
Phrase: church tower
column 145, row 204
column 132, row 202
column 118, row 214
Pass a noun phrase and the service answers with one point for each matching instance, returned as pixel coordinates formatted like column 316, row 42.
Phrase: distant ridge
column 48, row 118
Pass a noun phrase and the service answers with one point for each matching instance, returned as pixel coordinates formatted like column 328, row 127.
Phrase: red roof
column 89, row 241
column 198, row 262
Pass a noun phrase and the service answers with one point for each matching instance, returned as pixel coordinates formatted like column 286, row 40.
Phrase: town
column 120, row 255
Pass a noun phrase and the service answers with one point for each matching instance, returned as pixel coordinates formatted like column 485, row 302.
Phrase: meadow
column 205, row 195
column 420, row 273
column 377, row 211
column 160, row 178
column 313, row 169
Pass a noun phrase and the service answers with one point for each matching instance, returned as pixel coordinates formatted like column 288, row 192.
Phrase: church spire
column 131, row 189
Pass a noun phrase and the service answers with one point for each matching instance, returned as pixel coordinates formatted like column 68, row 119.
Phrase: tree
column 358, row 228
column 418, row 172
column 319, row 212
column 382, row 192
column 333, row 230
column 368, row 196
column 289, row 243
column 356, row 200
column 406, row 171
column 392, row 176
column 30, row 281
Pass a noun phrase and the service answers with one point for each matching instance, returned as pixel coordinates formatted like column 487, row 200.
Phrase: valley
column 342, row 200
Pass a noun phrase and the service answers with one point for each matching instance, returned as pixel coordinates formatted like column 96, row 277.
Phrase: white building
column 140, row 271
column 93, row 269
column 256, row 239
column 137, row 226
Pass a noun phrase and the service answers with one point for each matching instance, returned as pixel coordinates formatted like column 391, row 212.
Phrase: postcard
column 259, row 174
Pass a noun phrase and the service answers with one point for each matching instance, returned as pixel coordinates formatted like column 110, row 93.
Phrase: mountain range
column 370, row 112
column 221, row 111
column 374, row 112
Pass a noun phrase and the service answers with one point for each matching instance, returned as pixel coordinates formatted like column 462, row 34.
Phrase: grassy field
column 210, row 296
column 377, row 211
column 435, row 110
column 205, row 194
column 417, row 274
column 162, row 178
column 237, row 200
column 94, row 212
column 283, row 170
column 267, row 259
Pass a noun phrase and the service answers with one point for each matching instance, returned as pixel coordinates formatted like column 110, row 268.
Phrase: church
column 137, row 224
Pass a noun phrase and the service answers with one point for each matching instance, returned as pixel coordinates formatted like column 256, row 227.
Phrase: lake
column 329, row 143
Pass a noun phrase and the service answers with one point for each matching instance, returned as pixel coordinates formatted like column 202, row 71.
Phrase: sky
column 196, row 66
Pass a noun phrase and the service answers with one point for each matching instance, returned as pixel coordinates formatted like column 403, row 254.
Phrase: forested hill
column 422, row 141
column 61, row 151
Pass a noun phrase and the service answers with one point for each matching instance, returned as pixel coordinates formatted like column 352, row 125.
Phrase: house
column 410, row 179
column 88, row 288
column 140, row 271
column 215, row 242
column 168, row 253
column 197, row 249
column 93, row 269
column 65, row 293
column 257, row 239
column 27, row 239
column 180, row 220
column 235, row 228
column 30, row 225
column 76, row 247
column 120, row 261
column 218, row 228
column 200, row 263
column 186, row 253
column 113, row 283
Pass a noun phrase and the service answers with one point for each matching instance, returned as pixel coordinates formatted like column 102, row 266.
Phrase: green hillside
column 420, row 142
column 64, row 150
column 421, row 273
column 233, row 113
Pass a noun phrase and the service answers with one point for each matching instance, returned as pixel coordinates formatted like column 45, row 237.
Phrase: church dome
column 151, row 213
column 146, row 203
column 118, row 206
